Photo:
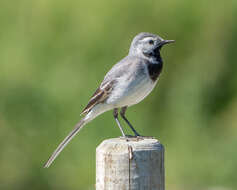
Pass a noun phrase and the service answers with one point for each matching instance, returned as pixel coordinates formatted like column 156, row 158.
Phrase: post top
column 136, row 143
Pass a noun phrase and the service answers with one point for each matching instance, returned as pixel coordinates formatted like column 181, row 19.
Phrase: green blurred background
column 54, row 54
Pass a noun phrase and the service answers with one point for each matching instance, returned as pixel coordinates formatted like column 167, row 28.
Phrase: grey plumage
column 127, row 83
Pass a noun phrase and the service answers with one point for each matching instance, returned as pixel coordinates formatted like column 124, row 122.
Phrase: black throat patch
column 155, row 69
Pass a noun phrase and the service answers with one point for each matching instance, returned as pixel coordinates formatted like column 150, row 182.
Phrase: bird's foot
column 145, row 137
column 127, row 137
column 134, row 138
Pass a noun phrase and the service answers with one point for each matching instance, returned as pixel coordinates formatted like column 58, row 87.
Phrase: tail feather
column 62, row 145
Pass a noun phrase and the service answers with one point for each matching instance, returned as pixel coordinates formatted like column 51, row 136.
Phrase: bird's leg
column 122, row 113
column 115, row 113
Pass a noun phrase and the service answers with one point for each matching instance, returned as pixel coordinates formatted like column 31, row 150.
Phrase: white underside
column 131, row 90
column 132, row 93
column 127, row 92
column 124, row 96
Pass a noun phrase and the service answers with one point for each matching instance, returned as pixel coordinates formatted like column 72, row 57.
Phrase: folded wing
column 100, row 95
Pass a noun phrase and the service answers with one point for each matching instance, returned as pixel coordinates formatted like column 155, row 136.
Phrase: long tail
column 62, row 145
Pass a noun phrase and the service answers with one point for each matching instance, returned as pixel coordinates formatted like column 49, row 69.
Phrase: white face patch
column 147, row 39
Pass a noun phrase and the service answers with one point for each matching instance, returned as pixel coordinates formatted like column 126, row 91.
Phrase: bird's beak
column 165, row 42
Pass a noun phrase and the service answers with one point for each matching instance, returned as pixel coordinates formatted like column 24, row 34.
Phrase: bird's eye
column 151, row 42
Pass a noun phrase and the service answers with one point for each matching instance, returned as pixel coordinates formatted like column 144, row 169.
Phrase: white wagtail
column 127, row 83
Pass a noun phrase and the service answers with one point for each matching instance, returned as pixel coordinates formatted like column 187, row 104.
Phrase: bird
column 127, row 83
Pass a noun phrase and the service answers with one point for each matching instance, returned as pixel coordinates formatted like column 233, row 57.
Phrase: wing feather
column 100, row 95
column 124, row 67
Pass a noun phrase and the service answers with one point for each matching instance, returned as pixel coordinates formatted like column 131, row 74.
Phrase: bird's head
column 147, row 44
